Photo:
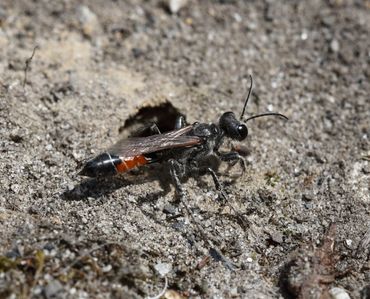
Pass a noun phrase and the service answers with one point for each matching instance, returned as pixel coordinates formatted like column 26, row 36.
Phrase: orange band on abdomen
column 132, row 162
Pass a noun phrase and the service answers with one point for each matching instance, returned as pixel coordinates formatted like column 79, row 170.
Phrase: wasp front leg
column 232, row 158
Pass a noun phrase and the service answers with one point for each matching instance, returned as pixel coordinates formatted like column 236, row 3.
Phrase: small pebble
column 89, row 21
column 163, row 268
column 37, row 290
column 349, row 242
column 176, row 5
column 234, row 292
column 339, row 293
column 304, row 35
column 53, row 288
column 276, row 237
column 334, row 45
column 107, row 268
column 169, row 209
column 15, row 188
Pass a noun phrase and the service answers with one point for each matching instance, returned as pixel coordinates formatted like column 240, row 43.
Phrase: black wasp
column 184, row 148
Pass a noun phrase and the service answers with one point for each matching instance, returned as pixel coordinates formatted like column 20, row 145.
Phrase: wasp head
column 232, row 127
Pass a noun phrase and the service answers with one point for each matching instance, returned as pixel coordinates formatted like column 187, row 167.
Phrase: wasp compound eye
column 243, row 132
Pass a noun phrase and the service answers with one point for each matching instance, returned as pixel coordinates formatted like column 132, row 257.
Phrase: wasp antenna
column 267, row 114
column 246, row 100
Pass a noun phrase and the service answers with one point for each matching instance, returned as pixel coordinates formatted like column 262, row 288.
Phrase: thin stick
column 28, row 63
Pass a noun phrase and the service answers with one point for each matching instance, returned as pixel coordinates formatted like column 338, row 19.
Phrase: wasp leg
column 213, row 250
column 233, row 158
column 147, row 130
column 217, row 183
column 243, row 222
column 154, row 129
column 174, row 168
column 180, row 122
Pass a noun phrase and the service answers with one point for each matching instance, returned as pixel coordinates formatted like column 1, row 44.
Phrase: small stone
column 331, row 99
column 334, row 45
column 349, row 242
column 89, row 21
column 37, row 290
column 276, row 237
column 15, row 188
column 53, row 288
column 107, row 268
column 234, row 292
column 237, row 17
column 339, row 293
column 176, row 5
column 169, row 209
column 163, row 268
column 172, row 294
column 304, row 35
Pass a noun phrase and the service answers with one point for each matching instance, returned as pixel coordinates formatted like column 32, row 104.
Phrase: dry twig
column 28, row 63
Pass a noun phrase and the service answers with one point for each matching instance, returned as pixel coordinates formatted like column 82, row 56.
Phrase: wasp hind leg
column 213, row 250
column 175, row 174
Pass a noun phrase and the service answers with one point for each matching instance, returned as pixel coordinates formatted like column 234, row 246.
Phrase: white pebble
column 338, row 293
column 107, row 268
column 163, row 268
column 176, row 5
column 349, row 242
column 304, row 35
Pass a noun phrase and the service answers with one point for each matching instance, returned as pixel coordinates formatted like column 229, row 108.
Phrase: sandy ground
column 297, row 224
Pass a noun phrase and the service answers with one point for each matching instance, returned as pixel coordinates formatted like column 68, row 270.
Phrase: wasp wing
column 135, row 146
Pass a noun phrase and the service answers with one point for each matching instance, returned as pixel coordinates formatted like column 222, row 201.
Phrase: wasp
column 184, row 147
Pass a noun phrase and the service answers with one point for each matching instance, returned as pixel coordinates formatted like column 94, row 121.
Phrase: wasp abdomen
column 126, row 164
column 107, row 164
column 102, row 165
